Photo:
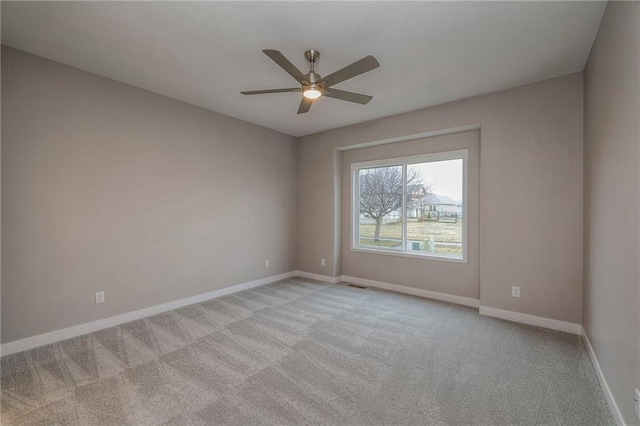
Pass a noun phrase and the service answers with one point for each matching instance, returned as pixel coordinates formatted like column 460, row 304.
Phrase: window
column 411, row 206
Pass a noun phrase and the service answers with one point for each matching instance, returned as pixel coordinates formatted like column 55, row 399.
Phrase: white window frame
column 462, row 154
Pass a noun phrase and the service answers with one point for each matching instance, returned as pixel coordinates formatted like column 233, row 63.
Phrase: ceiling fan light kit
column 312, row 92
column 313, row 86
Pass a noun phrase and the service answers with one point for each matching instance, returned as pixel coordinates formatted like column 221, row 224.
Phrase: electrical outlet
column 637, row 400
column 515, row 291
column 267, row 264
column 322, row 262
column 99, row 297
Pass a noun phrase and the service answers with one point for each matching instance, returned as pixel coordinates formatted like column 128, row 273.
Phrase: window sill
column 412, row 255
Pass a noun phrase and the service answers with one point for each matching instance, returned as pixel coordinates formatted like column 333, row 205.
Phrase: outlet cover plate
column 99, row 297
column 515, row 291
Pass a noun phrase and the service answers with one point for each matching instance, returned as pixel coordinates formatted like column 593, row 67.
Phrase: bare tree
column 381, row 192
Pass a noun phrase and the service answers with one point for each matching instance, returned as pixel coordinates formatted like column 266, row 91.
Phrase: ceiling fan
column 313, row 86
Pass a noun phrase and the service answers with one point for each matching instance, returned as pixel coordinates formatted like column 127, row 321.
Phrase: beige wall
column 612, row 190
column 462, row 279
column 531, row 159
column 108, row 187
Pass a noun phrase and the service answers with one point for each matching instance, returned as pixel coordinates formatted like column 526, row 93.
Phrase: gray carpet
column 302, row 352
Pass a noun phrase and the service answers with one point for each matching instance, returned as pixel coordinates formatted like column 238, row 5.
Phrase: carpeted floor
column 303, row 352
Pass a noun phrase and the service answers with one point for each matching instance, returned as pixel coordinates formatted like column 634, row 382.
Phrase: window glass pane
column 380, row 214
column 434, row 208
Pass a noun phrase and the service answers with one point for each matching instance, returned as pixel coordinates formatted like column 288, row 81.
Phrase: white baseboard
column 615, row 411
column 475, row 303
column 452, row 298
column 89, row 327
column 318, row 277
column 567, row 327
column 78, row 330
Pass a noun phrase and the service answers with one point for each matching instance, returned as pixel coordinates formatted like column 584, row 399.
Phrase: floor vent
column 355, row 285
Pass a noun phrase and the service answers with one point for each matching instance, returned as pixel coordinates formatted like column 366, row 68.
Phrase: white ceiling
column 205, row 53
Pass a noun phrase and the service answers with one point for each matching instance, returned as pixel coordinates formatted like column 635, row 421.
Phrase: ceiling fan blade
column 343, row 95
column 284, row 63
column 359, row 67
column 260, row 92
column 305, row 104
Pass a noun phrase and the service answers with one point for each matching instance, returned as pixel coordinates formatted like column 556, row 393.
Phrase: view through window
column 411, row 205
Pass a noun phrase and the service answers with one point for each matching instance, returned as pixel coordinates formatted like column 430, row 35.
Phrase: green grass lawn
column 442, row 232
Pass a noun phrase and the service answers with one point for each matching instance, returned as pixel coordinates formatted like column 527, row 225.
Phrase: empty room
column 320, row 213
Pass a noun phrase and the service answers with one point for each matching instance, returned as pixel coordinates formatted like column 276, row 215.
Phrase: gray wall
column 446, row 277
column 530, row 185
column 109, row 187
column 612, row 175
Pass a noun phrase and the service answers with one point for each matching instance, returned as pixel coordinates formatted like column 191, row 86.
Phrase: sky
column 445, row 177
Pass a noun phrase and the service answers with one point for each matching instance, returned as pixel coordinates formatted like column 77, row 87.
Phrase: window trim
column 461, row 154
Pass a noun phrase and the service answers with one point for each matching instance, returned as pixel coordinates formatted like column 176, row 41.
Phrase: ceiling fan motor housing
column 312, row 78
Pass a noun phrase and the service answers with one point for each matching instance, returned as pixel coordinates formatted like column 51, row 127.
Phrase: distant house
column 433, row 204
